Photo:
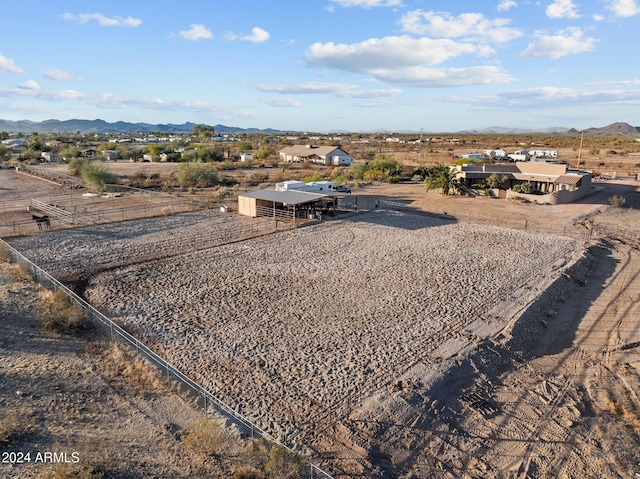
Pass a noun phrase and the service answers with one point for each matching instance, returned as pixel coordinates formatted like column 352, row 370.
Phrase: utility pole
column 580, row 150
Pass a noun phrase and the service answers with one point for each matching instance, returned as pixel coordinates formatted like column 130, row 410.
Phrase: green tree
column 444, row 178
column 264, row 152
column 5, row 153
column 388, row 166
column 196, row 175
column 495, row 181
column 525, row 188
column 314, row 177
column 357, row 170
column 97, row 174
column 70, row 152
column 76, row 164
column 203, row 132
column 243, row 146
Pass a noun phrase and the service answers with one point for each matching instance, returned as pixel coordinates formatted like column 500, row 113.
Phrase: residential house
column 324, row 155
column 555, row 183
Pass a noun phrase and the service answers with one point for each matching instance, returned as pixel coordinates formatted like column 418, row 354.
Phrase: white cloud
column 446, row 77
column 341, row 90
column 565, row 42
column 506, row 5
column 286, row 101
column 367, row 3
column 624, row 8
column 407, row 61
column 562, row 9
column 258, row 35
column 59, row 75
column 474, row 26
column 111, row 101
column 196, row 32
column 582, row 96
column 103, row 20
column 385, row 53
column 311, row 88
column 29, row 85
column 9, row 66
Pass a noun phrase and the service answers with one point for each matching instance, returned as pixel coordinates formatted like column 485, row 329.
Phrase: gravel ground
column 299, row 328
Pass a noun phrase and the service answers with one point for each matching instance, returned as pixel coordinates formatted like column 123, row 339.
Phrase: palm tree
column 444, row 178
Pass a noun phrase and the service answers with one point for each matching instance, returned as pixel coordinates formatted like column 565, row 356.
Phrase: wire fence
column 203, row 399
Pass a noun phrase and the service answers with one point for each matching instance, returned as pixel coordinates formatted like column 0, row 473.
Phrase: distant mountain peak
column 99, row 126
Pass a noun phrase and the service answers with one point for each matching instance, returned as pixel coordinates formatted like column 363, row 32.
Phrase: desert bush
column 313, row 178
column 191, row 175
column 4, row 253
column 16, row 425
column 617, row 201
column 60, row 315
column 248, row 472
column 22, row 272
column 135, row 372
column 257, row 177
column 97, row 174
column 76, row 471
column 206, row 438
column 274, row 460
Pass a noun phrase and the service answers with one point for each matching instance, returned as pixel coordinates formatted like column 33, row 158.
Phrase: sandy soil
column 395, row 344
column 67, row 399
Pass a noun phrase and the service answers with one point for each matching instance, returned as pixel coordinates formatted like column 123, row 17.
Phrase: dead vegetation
column 60, row 315
column 124, row 365
column 17, row 423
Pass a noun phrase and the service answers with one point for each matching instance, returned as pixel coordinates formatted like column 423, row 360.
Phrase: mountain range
column 104, row 127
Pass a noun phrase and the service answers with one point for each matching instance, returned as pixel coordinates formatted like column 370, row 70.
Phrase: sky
column 324, row 65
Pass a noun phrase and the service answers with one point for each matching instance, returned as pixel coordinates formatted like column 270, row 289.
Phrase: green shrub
column 97, row 174
column 196, row 175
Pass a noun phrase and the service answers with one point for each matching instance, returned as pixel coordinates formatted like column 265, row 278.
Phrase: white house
column 325, row 155
column 246, row 157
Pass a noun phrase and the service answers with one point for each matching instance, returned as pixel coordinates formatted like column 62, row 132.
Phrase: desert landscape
column 498, row 341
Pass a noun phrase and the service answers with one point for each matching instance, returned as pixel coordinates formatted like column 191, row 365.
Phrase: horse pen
column 373, row 342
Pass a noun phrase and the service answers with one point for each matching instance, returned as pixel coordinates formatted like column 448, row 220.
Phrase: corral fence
column 93, row 208
column 205, row 400
column 364, row 204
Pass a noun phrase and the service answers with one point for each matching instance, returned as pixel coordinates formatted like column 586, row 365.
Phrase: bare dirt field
column 395, row 344
column 64, row 394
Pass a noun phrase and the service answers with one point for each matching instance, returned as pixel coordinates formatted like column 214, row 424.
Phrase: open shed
column 284, row 205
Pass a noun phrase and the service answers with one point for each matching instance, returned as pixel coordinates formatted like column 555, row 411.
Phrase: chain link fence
column 201, row 398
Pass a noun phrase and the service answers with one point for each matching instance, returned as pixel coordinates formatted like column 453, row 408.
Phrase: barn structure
column 284, row 205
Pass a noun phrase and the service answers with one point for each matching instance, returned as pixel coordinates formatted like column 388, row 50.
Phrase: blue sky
column 324, row 65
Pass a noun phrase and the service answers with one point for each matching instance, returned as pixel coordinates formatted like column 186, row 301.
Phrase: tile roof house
column 555, row 183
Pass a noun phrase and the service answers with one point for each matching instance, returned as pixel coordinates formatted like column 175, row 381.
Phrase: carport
column 281, row 205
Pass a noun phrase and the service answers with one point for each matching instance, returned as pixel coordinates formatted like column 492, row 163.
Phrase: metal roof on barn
column 289, row 197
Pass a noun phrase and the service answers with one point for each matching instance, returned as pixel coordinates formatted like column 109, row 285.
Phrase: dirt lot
column 538, row 381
